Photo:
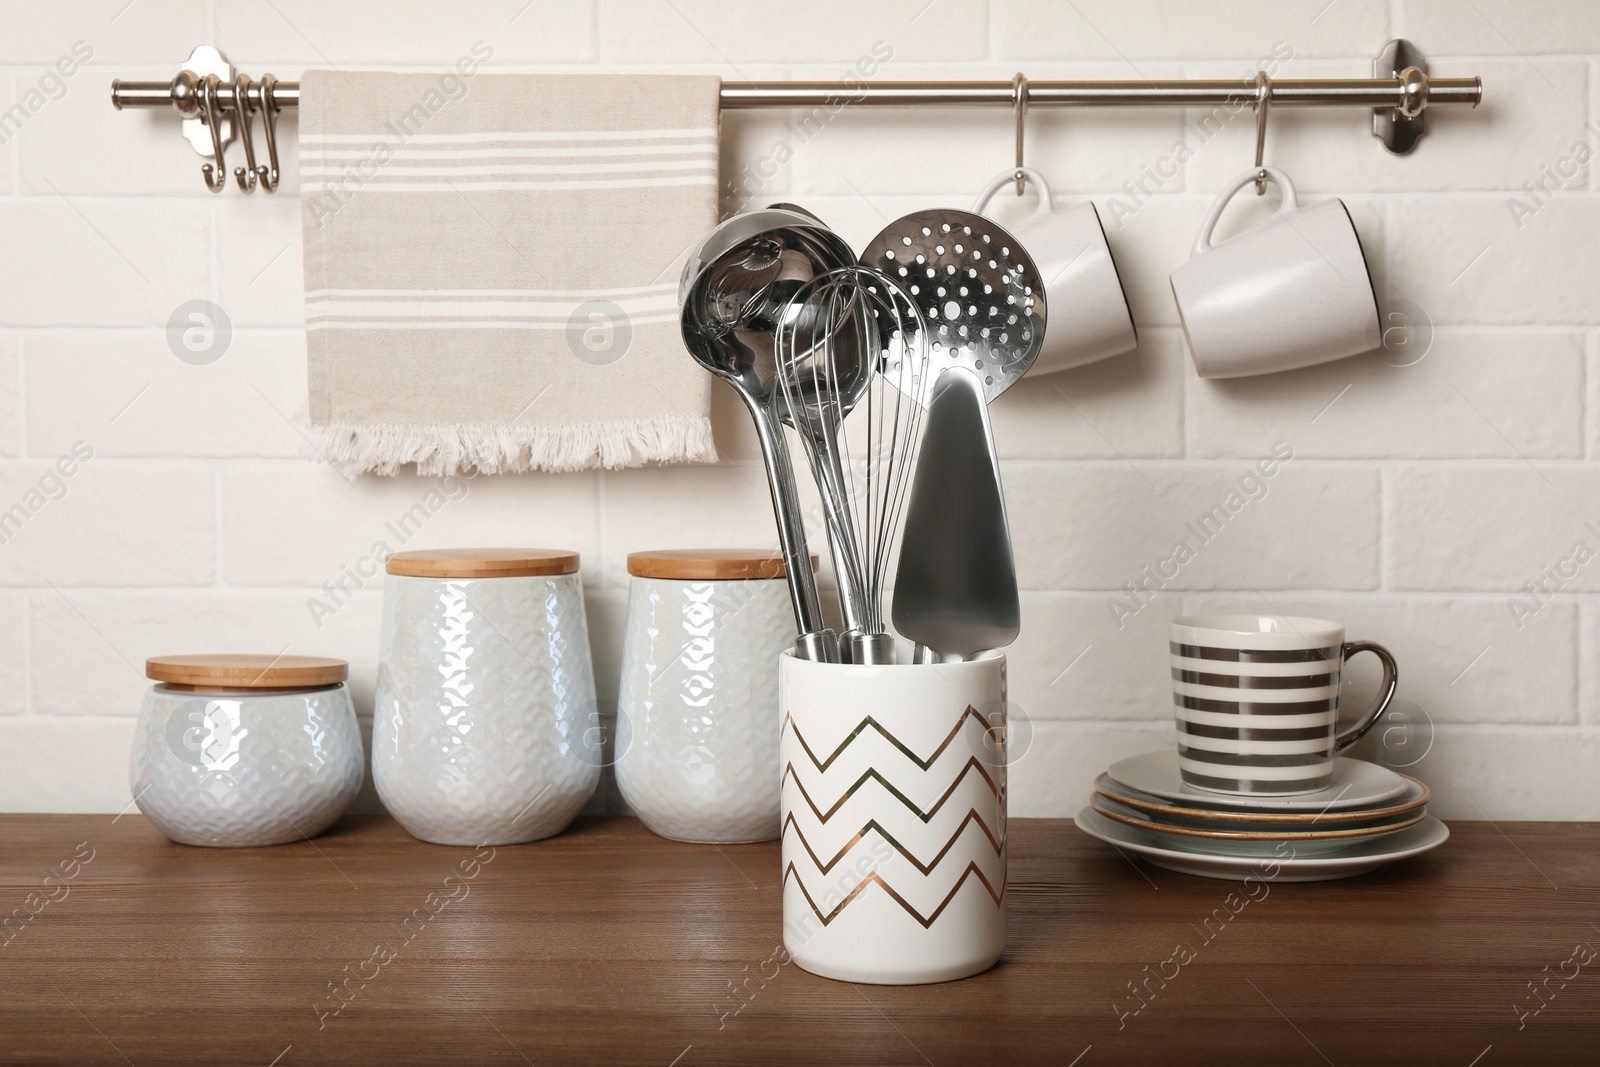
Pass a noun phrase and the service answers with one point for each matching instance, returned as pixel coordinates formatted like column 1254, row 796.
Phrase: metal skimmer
column 956, row 585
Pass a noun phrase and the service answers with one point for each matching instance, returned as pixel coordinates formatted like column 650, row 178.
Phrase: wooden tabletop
column 610, row 945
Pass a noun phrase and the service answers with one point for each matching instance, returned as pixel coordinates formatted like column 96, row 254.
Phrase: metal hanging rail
column 1399, row 93
column 1356, row 92
column 1315, row 92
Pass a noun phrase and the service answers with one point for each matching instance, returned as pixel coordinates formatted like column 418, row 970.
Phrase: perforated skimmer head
column 978, row 288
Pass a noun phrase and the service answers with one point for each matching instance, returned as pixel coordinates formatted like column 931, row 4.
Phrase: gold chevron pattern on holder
column 970, row 713
column 872, row 774
column 875, row 879
column 872, row 824
column 892, row 814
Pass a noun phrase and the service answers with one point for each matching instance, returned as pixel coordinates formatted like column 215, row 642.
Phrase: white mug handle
column 1004, row 178
column 1202, row 243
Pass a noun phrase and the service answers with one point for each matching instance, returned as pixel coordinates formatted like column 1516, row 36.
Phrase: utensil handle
column 847, row 567
column 870, row 648
column 1391, row 678
column 814, row 634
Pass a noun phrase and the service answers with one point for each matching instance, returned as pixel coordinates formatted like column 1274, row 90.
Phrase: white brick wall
column 1419, row 501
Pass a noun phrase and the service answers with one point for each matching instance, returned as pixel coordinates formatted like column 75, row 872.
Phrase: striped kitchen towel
column 492, row 264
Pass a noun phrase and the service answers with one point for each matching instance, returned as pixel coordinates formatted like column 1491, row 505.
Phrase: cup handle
column 1391, row 678
column 1202, row 242
column 1004, row 178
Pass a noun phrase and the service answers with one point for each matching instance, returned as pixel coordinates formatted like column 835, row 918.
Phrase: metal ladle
column 734, row 296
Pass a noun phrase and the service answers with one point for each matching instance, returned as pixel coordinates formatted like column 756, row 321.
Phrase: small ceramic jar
column 245, row 750
column 697, row 707
column 485, row 729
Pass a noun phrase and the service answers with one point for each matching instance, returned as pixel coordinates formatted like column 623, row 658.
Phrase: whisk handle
column 870, row 648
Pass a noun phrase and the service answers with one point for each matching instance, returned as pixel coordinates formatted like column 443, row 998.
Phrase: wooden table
column 610, row 945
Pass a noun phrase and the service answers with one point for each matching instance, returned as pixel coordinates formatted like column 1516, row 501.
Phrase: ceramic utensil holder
column 238, row 751
column 485, row 727
column 894, row 819
column 697, row 704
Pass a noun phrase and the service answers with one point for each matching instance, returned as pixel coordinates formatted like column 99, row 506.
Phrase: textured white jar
column 485, row 728
column 697, row 705
column 894, row 804
column 235, row 766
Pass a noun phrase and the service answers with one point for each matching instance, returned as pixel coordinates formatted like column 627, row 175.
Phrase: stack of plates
column 1368, row 817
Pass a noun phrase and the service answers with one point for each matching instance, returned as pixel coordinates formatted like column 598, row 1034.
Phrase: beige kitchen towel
column 492, row 267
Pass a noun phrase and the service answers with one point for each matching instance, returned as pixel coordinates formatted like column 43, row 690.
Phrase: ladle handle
column 816, row 641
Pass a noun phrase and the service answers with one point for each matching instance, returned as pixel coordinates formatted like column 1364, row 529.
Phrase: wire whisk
column 848, row 337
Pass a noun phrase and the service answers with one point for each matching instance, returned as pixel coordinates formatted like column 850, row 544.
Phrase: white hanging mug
column 1089, row 315
column 1292, row 292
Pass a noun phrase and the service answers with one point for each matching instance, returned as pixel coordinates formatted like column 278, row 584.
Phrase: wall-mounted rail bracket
column 204, row 60
column 1400, row 128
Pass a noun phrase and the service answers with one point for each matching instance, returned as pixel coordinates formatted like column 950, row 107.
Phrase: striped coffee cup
column 1258, row 701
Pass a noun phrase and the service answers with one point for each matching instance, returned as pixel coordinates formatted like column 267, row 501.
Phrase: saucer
column 1359, row 858
column 1252, row 840
column 1196, row 813
column 1356, row 784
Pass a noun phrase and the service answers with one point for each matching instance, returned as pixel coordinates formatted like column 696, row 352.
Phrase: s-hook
column 269, row 122
column 1263, row 105
column 211, row 114
column 245, row 175
column 1019, row 108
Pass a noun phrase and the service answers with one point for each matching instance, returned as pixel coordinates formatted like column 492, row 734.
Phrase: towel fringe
column 457, row 448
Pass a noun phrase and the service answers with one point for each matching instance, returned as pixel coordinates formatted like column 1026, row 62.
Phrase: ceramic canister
column 239, row 750
column 485, row 728
column 697, row 706
column 894, row 819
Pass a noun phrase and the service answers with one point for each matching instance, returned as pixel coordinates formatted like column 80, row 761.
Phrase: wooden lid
column 708, row 564
column 246, row 672
column 483, row 562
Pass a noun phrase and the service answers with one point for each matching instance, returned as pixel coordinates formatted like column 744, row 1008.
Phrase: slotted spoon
column 955, row 591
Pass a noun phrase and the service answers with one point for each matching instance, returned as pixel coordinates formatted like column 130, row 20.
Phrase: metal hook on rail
column 245, row 175
column 211, row 114
column 269, row 116
column 1263, row 105
column 1019, row 108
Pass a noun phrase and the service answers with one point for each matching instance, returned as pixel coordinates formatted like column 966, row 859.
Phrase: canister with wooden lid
column 485, row 727
column 245, row 750
column 697, row 706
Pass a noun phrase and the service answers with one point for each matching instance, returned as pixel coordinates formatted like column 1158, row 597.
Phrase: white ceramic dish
column 1415, row 797
column 1251, row 841
column 1362, row 858
column 1356, row 784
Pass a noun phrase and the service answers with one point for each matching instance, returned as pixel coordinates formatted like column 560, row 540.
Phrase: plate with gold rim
column 1251, row 841
column 1362, row 857
column 1356, row 784
column 1415, row 797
